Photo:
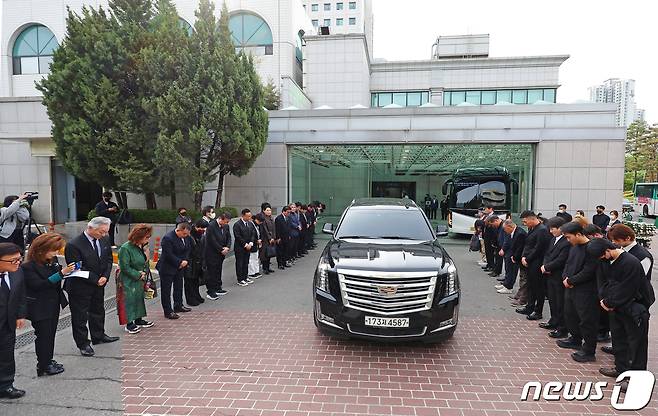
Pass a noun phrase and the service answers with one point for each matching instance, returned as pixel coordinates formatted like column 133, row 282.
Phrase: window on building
column 535, row 95
column 457, row 97
column 413, row 99
column 33, row 50
column 352, row 5
column 352, row 21
column 250, row 31
column 488, row 97
column 185, row 26
column 314, row 7
column 401, row 98
column 520, row 97
column 549, row 95
column 327, row 22
column 473, row 97
column 339, row 6
column 504, row 96
column 327, row 7
column 298, row 47
column 339, row 22
column 315, row 22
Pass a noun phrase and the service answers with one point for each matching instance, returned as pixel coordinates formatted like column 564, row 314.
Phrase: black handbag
column 270, row 251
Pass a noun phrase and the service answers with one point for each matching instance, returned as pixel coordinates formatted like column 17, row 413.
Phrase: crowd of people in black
column 597, row 280
column 192, row 255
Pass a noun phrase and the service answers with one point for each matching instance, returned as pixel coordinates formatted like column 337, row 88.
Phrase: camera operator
column 108, row 209
column 13, row 215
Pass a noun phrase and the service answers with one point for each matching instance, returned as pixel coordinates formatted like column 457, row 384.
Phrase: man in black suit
column 600, row 219
column 554, row 261
column 489, row 235
column 245, row 242
column 175, row 257
column 562, row 213
column 87, row 294
column 13, row 310
column 217, row 247
column 534, row 251
column 282, row 237
column 108, row 209
column 512, row 253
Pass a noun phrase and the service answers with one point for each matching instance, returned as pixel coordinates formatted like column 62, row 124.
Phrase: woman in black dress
column 43, row 281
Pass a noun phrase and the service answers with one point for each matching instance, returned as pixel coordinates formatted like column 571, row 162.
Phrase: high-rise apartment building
column 349, row 16
column 620, row 92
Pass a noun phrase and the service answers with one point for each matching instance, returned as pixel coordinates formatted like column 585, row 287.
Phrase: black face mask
column 107, row 200
column 183, row 213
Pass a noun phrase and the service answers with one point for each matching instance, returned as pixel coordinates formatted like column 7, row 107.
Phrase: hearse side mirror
column 328, row 228
column 441, row 230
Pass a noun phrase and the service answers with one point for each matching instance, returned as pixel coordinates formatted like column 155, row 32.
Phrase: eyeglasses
column 13, row 261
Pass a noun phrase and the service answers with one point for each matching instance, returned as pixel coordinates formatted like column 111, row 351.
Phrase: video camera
column 31, row 197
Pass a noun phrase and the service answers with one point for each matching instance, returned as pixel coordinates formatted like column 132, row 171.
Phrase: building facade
column 351, row 125
column 622, row 93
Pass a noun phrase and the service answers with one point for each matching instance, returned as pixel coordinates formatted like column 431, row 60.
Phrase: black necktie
column 95, row 242
column 3, row 283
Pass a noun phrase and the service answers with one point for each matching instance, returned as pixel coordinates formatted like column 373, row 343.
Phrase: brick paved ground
column 232, row 362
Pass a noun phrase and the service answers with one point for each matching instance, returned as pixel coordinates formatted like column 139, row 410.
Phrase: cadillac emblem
column 387, row 290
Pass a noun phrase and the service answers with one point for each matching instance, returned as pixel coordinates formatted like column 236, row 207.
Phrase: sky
column 605, row 39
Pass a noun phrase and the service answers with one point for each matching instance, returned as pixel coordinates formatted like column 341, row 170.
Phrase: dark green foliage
column 140, row 105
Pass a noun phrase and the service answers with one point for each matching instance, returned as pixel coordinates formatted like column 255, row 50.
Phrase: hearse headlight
column 322, row 280
column 452, row 284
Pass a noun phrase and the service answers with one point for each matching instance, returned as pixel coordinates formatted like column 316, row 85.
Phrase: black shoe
column 181, row 309
column 501, row 279
column 50, row 370
column 172, row 315
column 222, row 292
column 142, row 323
column 534, row 316
column 570, row 343
column 608, row 349
column 603, row 337
column 609, row 372
column 11, row 393
column 558, row 334
column 53, row 362
column 524, row 311
column 494, row 274
column 267, row 272
column 105, row 340
column 212, row 296
column 583, row 357
column 282, row 267
column 546, row 325
column 87, row 351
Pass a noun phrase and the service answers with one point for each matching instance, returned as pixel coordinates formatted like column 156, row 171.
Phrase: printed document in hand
column 80, row 273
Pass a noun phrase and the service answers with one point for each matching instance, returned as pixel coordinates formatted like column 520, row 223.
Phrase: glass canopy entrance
column 336, row 174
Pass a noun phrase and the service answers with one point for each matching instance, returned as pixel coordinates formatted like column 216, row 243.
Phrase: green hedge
column 164, row 216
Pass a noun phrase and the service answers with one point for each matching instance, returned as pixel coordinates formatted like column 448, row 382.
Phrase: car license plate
column 387, row 322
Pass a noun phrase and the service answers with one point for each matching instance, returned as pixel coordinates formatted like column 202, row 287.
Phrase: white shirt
column 646, row 263
column 5, row 276
column 558, row 238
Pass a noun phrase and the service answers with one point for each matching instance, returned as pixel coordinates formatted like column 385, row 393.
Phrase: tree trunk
column 172, row 187
column 220, row 190
column 150, row 200
column 198, row 200
column 119, row 198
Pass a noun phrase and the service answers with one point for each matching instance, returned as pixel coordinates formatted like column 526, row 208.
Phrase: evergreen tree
column 271, row 96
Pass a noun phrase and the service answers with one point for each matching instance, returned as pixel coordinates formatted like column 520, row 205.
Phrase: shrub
column 164, row 216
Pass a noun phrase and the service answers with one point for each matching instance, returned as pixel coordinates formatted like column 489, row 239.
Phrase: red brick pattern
column 230, row 362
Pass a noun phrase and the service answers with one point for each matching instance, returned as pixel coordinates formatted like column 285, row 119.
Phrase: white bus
column 472, row 188
column 646, row 198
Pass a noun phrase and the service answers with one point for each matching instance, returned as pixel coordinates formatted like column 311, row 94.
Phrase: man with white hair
column 93, row 251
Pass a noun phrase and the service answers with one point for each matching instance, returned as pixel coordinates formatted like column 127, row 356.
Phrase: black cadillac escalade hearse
column 384, row 276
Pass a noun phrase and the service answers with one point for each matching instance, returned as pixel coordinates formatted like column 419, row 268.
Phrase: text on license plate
column 387, row 322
